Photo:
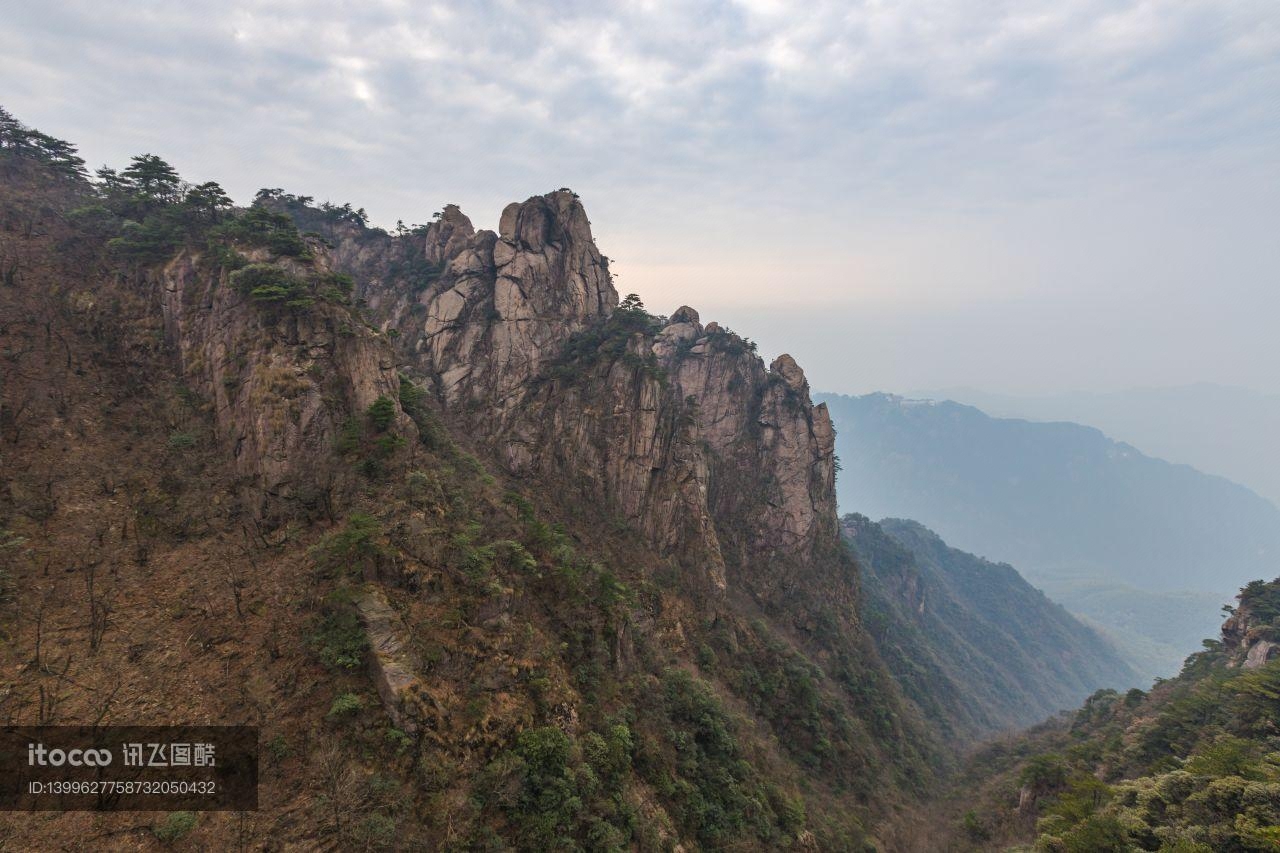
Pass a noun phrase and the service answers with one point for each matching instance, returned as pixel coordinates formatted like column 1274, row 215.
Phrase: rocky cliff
column 724, row 464
column 282, row 383
column 1251, row 633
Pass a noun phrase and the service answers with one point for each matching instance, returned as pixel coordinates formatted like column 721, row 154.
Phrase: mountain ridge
column 1110, row 533
column 1003, row 653
column 1169, row 422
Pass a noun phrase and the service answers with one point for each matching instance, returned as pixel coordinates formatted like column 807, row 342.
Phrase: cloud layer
column 1014, row 156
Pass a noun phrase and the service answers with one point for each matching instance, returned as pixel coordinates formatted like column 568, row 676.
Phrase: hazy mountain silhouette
column 1113, row 534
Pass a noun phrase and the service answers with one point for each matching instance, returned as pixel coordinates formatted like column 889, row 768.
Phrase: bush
column 339, row 639
column 271, row 284
column 345, row 705
column 278, row 749
column 398, row 740
column 152, row 241
column 336, row 287
column 174, row 826
column 382, row 412
column 350, row 550
column 258, row 226
column 375, row 832
column 181, row 440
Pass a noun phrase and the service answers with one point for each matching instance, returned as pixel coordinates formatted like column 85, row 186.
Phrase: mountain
column 1192, row 765
column 1142, row 547
column 492, row 558
column 1189, row 423
column 972, row 643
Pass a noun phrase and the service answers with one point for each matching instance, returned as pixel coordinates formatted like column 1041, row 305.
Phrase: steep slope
column 970, row 640
column 490, row 558
column 1193, row 765
column 1111, row 534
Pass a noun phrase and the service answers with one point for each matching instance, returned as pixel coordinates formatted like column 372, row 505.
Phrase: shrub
column 350, row 549
column 382, row 412
column 174, row 826
column 181, row 440
column 271, row 284
column 386, row 445
column 375, row 832
column 349, row 437
column 345, row 705
column 339, row 639
column 152, row 241
column 278, row 749
column 398, row 740
column 336, row 287
column 258, row 226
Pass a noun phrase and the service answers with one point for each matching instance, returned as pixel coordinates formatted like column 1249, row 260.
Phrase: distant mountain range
column 1142, row 547
column 1218, row 429
column 971, row 642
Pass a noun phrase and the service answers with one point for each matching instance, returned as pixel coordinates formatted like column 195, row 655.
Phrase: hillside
column 594, row 549
column 1144, row 548
column 1192, row 766
column 971, row 641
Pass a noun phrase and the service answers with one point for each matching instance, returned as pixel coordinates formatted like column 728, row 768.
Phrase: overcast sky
column 1020, row 196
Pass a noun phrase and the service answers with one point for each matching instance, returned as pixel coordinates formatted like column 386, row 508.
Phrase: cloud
column 753, row 135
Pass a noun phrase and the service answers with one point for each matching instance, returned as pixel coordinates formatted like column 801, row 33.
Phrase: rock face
column 1250, row 641
column 502, row 305
column 1260, row 653
column 283, row 383
column 678, row 427
column 391, row 664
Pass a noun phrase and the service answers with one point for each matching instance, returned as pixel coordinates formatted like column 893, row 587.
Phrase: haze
column 1029, row 196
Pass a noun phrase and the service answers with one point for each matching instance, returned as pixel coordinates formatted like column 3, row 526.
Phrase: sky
column 1020, row 196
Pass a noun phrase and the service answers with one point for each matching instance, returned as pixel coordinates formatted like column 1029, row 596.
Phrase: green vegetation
column 278, row 749
column 339, row 640
column 970, row 641
column 558, row 793
column 1193, row 766
column 372, row 450
column 145, row 214
column 174, row 826
column 717, row 795
column 351, row 551
column 20, row 143
column 611, row 341
column 382, row 412
column 259, row 227
column 268, row 283
column 726, row 340
column 181, row 440
column 345, row 705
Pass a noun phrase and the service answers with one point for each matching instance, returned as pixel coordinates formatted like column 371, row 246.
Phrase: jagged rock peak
column 684, row 314
column 786, row 367
column 448, row 234
column 545, row 241
column 545, row 219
